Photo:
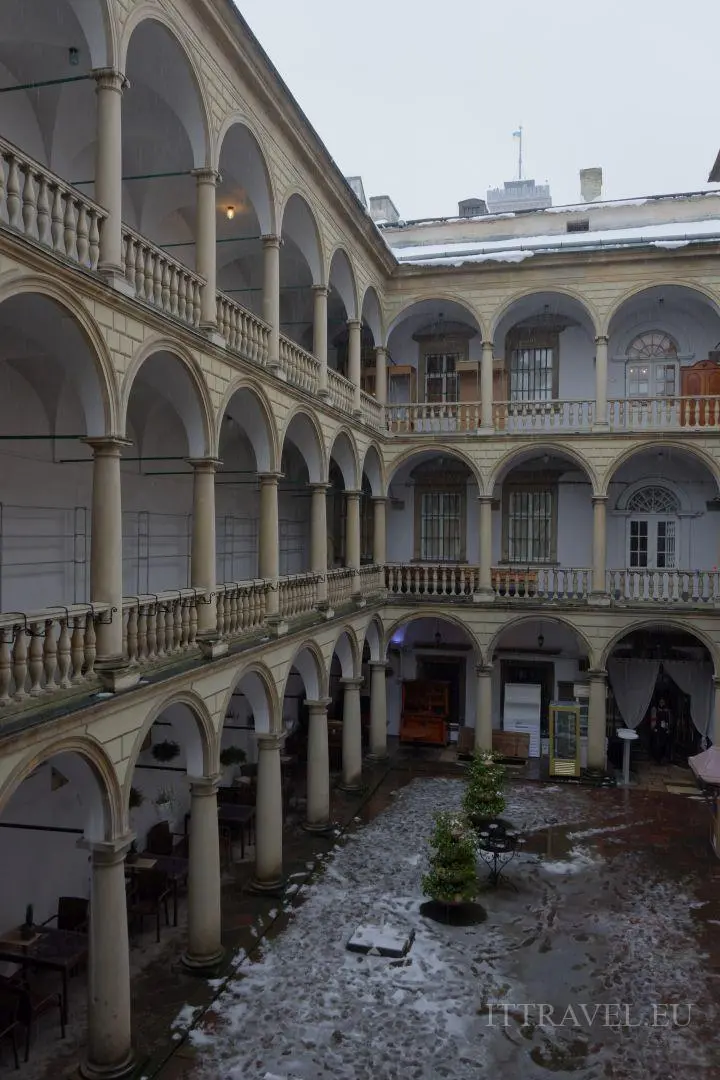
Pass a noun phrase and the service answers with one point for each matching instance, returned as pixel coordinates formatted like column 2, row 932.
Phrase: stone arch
column 261, row 691
column 95, row 755
column 100, row 403
column 189, row 396
column 342, row 276
column 345, row 453
column 257, row 421
column 662, row 621
column 544, row 617
column 525, row 294
column 690, row 448
column 702, row 292
column 374, row 638
column 519, row 453
column 299, row 221
column 256, row 174
column 371, row 313
column 309, row 662
column 193, row 114
column 624, row 500
column 432, row 613
column 205, row 763
column 372, row 467
column 438, row 448
column 440, row 297
column 303, row 429
column 347, row 650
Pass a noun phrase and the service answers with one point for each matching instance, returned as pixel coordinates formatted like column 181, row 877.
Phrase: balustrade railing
column 664, row 586
column 431, row 579
column 47, row 651
column 41, row 206
column 297, row 595
column 541, row 582
column 244, row 332
column 299, row 366
column 241, row 607
column 339, row 586
column 158, row 625
column 372, row 580
column 531, row 416
column 341, row 393
column 660, row 414
column 160, row 280
column 428, row 417
column 372, row 411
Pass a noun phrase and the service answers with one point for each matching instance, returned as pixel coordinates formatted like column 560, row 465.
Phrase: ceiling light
column 230, row 213
column 73, row 56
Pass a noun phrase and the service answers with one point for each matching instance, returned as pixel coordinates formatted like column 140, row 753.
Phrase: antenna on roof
column 518, row 135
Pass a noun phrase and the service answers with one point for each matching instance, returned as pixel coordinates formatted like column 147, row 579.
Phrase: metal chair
column 30, row 1005
column 72, row 914
column 9, row 1021
column 149, row 894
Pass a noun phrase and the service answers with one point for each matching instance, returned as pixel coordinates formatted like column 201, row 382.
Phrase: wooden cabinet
column 425, row 712
column 701, row 380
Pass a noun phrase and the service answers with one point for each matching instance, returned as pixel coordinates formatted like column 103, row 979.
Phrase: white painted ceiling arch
column 344, row 453
column 303, row 433
column 247, row 410
column 298, row 224
column 342, row 279
column 346, row 650
column 373, row 639
column 245, row 176
column 372, row 315
column 373, row 470
column 310, row 667
column 254, row 687
column 164, row 374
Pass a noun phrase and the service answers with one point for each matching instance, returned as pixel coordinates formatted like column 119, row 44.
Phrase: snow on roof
column 515, row 249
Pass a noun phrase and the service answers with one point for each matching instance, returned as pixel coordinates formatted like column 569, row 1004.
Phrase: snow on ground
column 579, row 930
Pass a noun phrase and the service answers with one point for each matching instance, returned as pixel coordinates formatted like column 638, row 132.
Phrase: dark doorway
column 534, row 673
column 451, row 672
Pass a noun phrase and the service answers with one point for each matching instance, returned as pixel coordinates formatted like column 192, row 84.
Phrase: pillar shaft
column 269, row 538
column 486, row 386
column 599, row 545
column 269, row 813
column 205, row 243
column 109, row 1049
column 381, row 374
column 204, row 948
column 485, row 582
column 378, row 710
column 109, row 86
column 601, row 378
column 352, row 537
column 483, row 709
column 351, row 735
column 320, row 333
column 318, row 767
column 318, row 538
column 379, row 530
column 271, row 296
column 714, row 733
column 596, row 720
column 202, row 558
column 354, row 360
column 106, row 546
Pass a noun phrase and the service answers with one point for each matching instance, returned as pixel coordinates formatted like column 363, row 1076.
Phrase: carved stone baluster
column 29, row 204
column 196, row 304
column 90, row 647
column 63, row 655
column 157, row 282
column 174, row 286
column 149, row 272
column 182, row 295
column 20, row 662
column 151, row 632
column 14, row 202
column 160, row 631
column 170, row 627
column 77, row 649
column 35, row 663
column 83, row 236
column 142, row 634
column 193, row 624
column 165, row 288
column 5, row 655
column 185, row 623
column 177, row 611
column 43, row 211
column 132, row 635
column 220, row 606
column 3, row 190
column 94, row 239
column 139, row 271
column 70, row 229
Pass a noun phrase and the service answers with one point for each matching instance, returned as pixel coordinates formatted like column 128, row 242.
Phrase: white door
column 652, row 543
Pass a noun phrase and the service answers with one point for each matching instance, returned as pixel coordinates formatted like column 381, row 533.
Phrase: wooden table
column 54, row 950
column 175, row 868
column 242, row 816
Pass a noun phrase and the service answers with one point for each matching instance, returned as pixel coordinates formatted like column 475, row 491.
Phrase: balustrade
column 433, row 417
column 432, row 579
column 340, row 391
column 520, row 416
column 158, row 625
column 339, row 586
column 241, row 607
column 161, row 280
column 542, row 582
column 299, row 366
column 372, row 580
column 244, row 332
column 372, row 411
column 297, row 595
column 661, row 414
column 664, row 586
column 42, row 207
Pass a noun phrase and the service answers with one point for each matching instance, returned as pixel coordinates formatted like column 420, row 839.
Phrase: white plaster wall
column 576, row 367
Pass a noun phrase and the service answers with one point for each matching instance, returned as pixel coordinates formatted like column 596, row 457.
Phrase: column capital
column 270, row 740
column 716, row 682
column 354, row 683
column 353, row 493
column 485, row 498
column 321, row 705
column 208, row 464
column 483, row 671
column 268, row 479
column 380, row 349
column 375, row 665
column 270, row 240
column 321, row 290
column 601, row 339
column 320, row 486
column 204, row 786
column 110, row 79
column 108, row 852
column 597, row 675
column 206, row 175
column 107, row 445
column 599, row 500
column 487, row 344
column 380, row 498
column 354, row 324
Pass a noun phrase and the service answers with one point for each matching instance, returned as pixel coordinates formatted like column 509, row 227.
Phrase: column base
column 486, row 430
column 484, row 596
column 276, row 887
column 212, row 648
column 359, row 600
column 276, row 626
column 321, row 827
column 599, row 599
column 213, row 335
column 357, row 414
column 90, row 1071
column 114, row 276
column 200, row 965
column 116, row 675
column 323, row 608
column 378, row 755
column 351, row 787
column 277, row 371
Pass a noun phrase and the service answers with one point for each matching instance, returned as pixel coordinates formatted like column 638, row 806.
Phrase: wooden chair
column 149, row 894
column 161, row 841
column 9, row 1021
column 30, row 1005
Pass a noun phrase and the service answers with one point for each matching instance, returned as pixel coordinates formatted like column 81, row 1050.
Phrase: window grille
column 583, row 225
column 653, row 500
column 531, row 374
column 530, row 526
column 440, row 527
column 441, row 376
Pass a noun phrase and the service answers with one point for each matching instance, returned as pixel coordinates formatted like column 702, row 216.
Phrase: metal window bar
column 150, row 545
column 531, row 375
column 530, row 527
column 237, row 550
column 440, row 527
column 58, row 539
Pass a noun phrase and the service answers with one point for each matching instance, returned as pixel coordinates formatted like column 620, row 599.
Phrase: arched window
column 652, row 529
column 652, row 366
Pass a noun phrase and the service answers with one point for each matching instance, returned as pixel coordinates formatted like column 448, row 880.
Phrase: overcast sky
column 421, row 99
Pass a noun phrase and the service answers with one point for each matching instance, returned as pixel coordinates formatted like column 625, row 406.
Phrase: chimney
column 590, row 184
column 383, row 209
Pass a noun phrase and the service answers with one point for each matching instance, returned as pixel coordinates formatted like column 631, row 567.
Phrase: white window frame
column 442, row 521
column 446, row 379
column 524, row 380
column 653, row 523
column 655, row 377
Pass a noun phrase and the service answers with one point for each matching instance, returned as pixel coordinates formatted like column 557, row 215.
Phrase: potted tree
column 231, row 758
column 451, row 878
column 484, row 800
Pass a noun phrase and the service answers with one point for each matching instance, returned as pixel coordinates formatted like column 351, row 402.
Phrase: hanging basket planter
column 166, row 751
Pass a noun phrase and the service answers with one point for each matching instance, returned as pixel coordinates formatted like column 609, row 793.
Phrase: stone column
column 714, row 732
column 379, row 530
column 596, row 721
column 354, row 360
column 486, row 387
column 109, row 86
column 204, row 948
column 106, row 584
column 269, row 814
column 352, row 538
column 318, row 541
column 599, row 594
column 318, row 768
column 269, row 538
column 483, row 708
column 351, row 735
column 271, row 297
column 109, row 1050
column 601, row 379
column 378, row 710
column 202, row 557
column 381, row 374
column 320, row 335
column 205, row 247
column 485, row 594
